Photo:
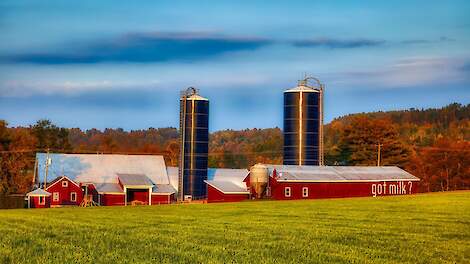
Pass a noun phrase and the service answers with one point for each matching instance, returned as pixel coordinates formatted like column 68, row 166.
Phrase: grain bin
column 259, row 178
column 303, row 124
column 194, row 146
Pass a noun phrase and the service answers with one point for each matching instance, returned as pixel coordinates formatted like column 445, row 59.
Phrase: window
column 287, row 192
column 42, row 200
column 65, row 183
column 304, row 191
column 55, row 196
column 73, row 196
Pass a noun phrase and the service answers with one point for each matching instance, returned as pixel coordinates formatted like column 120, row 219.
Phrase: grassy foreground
column 427, row 228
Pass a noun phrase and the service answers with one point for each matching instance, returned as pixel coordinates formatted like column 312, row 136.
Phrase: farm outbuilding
column 108, row 179
column 64, row 191
column 38, row 198
column 311, row 182
column 289, row 182
column 226, row 185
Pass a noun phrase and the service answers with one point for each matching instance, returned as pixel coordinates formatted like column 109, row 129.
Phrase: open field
column 427, row 228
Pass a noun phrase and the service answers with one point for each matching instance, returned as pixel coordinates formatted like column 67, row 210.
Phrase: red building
column 106, row 179
column 38, row 199
column 64, row 191
column 289, row 182
column 226, row 185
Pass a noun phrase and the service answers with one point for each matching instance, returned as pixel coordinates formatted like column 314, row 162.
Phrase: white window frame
column 287, row 191
column 43, row 198
column 73, row 193
column 55, row 196
column 305, row 192
column 65, row 184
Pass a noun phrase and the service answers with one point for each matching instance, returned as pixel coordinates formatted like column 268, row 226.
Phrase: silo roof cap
column 302, row 88
column 196, row 97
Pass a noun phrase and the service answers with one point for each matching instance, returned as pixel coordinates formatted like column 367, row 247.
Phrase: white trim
column 54, row 198
column 137, row 186
column 61, row 177
column 120, row 193
column 73, row 200
column 288, row 188
column 65, row 183
column 305, row 194
column 346, row 181
column 162, row 193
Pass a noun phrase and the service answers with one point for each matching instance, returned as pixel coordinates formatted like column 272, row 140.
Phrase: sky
column 122, row 64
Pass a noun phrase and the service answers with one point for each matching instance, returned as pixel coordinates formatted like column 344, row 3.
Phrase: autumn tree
column 361, row 137
column 49, row 136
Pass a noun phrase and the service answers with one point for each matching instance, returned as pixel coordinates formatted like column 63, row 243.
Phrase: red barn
column 107, row 179
column 64, row 191
column 226, row 185
column 38, row 199
column 311, row 182
column 289, row 182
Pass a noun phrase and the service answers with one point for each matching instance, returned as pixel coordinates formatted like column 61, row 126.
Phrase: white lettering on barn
column 398, row 188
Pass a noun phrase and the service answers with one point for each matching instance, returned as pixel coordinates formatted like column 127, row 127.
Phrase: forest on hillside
column 433, row 144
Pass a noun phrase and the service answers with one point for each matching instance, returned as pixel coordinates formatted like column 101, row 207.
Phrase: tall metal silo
column 194, row 145
column 303, row 123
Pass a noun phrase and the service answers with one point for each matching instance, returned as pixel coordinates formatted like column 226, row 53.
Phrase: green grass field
column 427, row 228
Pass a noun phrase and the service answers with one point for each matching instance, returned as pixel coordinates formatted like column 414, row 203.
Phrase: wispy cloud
column 144, row 48
column 428, row 41
column 338, row 43
column 154, row 47
column 408, row 72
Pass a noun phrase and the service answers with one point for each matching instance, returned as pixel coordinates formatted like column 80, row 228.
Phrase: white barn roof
column 340, row 173
column 102, row 168
column 38, row 192
column 226, row 179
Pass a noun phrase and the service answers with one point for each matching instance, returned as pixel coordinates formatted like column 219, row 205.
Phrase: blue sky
column 122, row 63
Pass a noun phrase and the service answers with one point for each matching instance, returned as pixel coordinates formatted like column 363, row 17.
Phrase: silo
column 303, row 123
column 194, row 146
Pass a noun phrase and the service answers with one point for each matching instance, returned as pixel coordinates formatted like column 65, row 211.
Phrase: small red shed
column 225, row 191
column 38, row 199
column 64, row 191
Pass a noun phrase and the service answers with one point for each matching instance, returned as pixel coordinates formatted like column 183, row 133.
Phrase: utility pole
column 378, row 154
column 48, row 162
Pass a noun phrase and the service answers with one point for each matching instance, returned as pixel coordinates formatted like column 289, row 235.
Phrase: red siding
column 112, row 199
column 34, row 202
column 64, row 192
column 214, row 196
column 162, row 198
column 340, row 190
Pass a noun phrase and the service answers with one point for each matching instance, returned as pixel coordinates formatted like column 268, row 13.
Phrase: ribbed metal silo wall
column 194, row 152
column 301, row 127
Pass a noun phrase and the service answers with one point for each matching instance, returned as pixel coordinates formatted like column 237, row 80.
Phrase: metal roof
column 38, row 192
column 340, row 173
column 108, row 188
column 228, row 187
column 302, row 88
column 134, row 180
column 236, row 176
column 173, row 176
column 102, row 168
column 163, row 188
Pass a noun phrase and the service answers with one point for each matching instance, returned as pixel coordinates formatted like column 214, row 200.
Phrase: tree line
column 432, row 144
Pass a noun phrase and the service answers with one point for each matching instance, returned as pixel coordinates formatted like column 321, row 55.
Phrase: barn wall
column 341, row 190
column 162, row 198
column 34, row 202
column 214, row 196
column 64, row 193
column 112, row 199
